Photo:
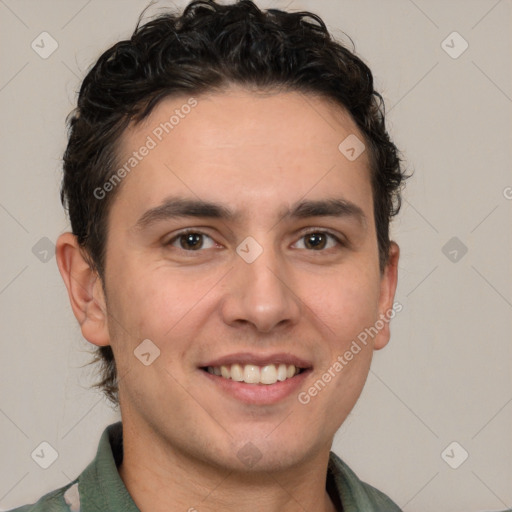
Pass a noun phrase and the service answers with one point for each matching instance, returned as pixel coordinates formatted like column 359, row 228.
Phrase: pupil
column 192, row 240
column 317, row 239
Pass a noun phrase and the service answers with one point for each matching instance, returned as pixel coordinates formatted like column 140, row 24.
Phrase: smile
column 254, row 374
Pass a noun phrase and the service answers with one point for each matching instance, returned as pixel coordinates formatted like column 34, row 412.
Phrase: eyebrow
column 179, row 207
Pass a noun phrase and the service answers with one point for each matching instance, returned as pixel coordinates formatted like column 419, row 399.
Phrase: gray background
column 446, row 374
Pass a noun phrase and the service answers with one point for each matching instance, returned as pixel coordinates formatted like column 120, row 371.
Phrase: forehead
column 245, row 118
column 244, row 148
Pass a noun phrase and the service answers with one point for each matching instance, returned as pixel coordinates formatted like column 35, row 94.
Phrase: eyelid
column 186, row 231
column 341, row 240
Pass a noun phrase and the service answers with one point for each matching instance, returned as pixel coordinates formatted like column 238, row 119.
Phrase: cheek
column 346, row 302
column 156, row 302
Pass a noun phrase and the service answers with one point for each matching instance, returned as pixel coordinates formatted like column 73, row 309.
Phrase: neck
column 160, row 479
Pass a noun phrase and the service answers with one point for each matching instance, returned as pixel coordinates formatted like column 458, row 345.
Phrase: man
column 230, row 182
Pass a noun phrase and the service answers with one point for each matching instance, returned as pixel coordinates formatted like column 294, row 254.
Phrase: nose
column 261, row 294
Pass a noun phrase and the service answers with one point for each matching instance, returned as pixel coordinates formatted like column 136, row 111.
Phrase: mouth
column 255, row 379
column 253, row 374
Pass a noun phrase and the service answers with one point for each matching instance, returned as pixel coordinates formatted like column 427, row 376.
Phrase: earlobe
column 387, row 294
column 84, row 290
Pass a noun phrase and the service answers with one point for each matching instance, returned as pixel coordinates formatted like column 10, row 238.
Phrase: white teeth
column 253, row 374
column 282, row 372
column 237, row 373
column 268, row 374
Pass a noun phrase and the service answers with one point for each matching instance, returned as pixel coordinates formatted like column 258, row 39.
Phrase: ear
column 388, row 284
column 84, row 290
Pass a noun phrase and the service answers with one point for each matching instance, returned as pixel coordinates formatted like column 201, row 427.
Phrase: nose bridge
column 259, row 292
column 265, row 275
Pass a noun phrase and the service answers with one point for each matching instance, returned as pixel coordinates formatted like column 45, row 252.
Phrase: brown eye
column 319, row 240
column 315, row 240
column 190, row 241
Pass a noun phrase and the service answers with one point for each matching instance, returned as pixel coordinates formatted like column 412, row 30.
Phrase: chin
column 263, row 454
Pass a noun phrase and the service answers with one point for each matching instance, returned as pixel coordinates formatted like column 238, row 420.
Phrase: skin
column 256, row 154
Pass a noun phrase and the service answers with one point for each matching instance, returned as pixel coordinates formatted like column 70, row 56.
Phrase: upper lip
column 258, row 360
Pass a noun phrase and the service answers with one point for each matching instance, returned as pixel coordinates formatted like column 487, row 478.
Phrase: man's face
column 210, row 298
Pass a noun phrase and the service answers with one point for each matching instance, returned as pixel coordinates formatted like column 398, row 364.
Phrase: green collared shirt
column 99, row 487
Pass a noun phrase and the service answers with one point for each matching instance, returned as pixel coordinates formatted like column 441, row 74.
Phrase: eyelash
column 176, row 237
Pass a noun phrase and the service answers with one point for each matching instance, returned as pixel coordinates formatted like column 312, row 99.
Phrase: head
column 247, row 111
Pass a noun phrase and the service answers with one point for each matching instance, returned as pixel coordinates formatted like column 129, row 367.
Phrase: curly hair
column 205, row 49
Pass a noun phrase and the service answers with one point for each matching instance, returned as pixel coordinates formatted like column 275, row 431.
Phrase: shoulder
column 356, row 494
column 64, row 499
column 99, row 484
column 380, row 500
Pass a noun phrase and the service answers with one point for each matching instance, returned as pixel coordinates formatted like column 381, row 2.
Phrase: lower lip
column 259, row 394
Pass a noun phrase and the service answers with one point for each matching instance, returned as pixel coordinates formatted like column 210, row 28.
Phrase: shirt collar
column 100, row 485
